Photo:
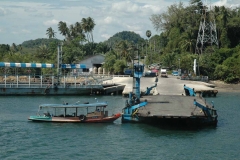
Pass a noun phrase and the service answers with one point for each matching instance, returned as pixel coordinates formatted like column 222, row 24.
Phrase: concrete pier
column 165, row 86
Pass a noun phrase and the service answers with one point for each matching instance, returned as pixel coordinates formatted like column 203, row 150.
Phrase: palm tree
column 85, row 27
column 123, row 49
column 78, row 29
column 62, row 27
column 50, row 33
column 43, row 51
column 91, row 25
column 188, row 41
column 88, row 26
column 72, row 31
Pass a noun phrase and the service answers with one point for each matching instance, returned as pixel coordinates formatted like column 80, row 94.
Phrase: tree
column 62, row 27
column 188, row 41
column 119, row 66
column 43, row 51
column 88, row 26
column 14, row 47
column 122, row 48
column 91, row 25
column 79, row 30
column 50, row 33
column 110, row 60
column 168, row 59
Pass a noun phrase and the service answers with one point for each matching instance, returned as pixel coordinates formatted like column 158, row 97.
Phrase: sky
column 23, row 20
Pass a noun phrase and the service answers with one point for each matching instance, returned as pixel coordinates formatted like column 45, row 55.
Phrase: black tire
column 82, row 117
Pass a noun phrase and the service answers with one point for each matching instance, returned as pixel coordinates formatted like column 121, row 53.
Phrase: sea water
column 23, row 139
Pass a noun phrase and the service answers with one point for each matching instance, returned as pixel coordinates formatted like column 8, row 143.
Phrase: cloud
column 220, row 3
column 125, row 6
column 14, row 32
column 227, row 3
column 30, row 10
column 105, row 36
column 26, row 31
column 51, row 22
column 45, row 14
column 152, row 8
column 108, row 20
column 2, row 11
column 139, row 8
column 133, row 27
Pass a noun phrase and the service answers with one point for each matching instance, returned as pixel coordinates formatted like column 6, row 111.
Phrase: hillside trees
column 179, row 27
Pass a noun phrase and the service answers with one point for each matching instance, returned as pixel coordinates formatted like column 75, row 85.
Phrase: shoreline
column 224, row 87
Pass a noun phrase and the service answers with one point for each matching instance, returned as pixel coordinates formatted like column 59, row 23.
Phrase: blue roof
column 26, row 65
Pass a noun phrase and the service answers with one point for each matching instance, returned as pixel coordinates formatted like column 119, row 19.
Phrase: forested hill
column 126, row 35
column 38, row 42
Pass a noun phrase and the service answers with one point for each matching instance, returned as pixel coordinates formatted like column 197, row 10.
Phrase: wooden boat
column 95, row 113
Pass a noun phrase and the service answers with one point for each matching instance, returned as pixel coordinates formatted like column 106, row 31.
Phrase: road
column 165, row 86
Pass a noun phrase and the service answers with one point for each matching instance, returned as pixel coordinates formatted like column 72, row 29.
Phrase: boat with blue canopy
column 74, row 113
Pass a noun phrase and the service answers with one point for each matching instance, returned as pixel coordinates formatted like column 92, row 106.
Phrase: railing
column 46, row 81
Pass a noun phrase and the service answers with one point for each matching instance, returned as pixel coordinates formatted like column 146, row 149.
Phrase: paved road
column 165, row 86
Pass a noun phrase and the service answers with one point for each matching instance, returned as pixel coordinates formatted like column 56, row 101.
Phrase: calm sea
column 21, row 139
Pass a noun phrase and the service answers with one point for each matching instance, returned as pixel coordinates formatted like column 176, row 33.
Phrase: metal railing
column 51, row 81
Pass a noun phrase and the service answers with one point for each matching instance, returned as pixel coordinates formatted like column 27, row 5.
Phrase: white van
column 163, row 73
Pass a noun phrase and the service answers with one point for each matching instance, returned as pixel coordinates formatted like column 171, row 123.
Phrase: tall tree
column 88, row 26
column 62, row 27
column 50, row 33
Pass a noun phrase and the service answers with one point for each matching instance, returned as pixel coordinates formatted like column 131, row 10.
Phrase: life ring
column 47, row 90
column 82, row 117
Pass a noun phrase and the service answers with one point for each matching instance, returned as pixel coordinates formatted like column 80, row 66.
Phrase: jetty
column 172, row 103
column 177, row 110
column 165, row 86
column 54, row 84
column 84, row 84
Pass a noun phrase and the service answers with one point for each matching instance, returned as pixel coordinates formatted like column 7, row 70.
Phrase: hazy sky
column 22, row 20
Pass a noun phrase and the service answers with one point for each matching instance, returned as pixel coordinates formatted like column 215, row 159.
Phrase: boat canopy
column 73, row 105
column 26, row 65
column 74, row 66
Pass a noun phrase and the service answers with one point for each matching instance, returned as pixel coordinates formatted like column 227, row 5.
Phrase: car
column 175, row 73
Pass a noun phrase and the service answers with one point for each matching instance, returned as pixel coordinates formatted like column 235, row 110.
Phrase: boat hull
column 95, row 119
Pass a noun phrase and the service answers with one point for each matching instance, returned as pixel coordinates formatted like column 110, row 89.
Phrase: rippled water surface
column 21, row 139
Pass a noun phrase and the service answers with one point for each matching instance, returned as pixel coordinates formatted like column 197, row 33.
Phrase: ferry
column 74, row 113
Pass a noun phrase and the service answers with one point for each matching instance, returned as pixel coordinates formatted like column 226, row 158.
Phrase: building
column 93, row 64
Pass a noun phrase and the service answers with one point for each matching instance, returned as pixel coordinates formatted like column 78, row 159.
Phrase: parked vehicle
column 127, row 71
column 163, row 73
column 175, row 73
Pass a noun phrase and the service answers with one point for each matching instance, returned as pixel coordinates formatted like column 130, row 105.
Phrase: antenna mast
column 207, row 34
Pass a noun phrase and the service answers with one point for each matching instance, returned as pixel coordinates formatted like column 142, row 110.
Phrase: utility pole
column 148, row 34
column 59, row 67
